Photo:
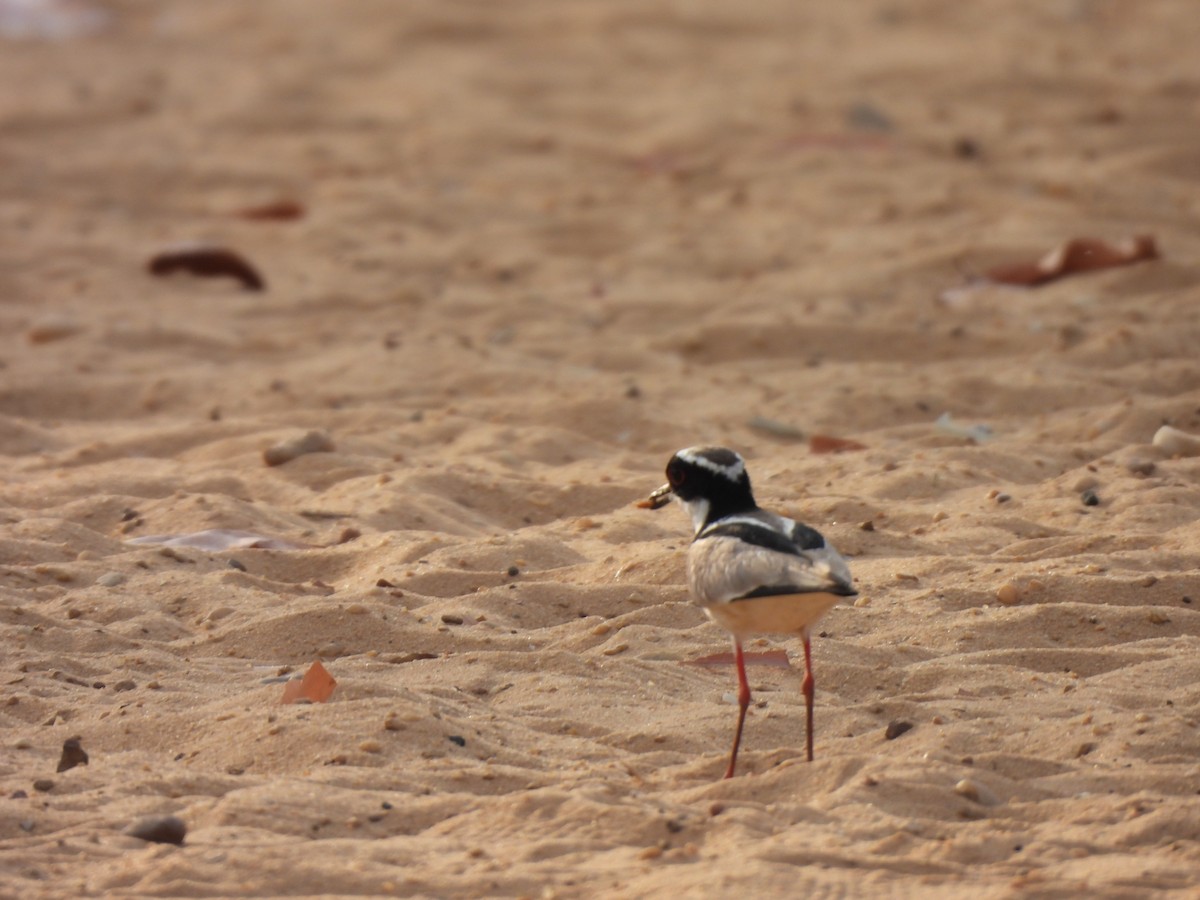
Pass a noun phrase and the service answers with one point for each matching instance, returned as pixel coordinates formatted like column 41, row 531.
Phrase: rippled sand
column 545, row 245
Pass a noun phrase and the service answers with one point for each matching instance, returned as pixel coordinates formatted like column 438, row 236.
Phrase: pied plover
column 753, row 572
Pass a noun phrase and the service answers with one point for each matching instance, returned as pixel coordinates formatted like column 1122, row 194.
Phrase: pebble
column 110, row 579
column 159, row 830
column 896, row 728
column 1089, row 498
column 1174, row 442
column 452, row 620
column 309, row 442
column 43, row 785
column 1008, row 594
column 976, row 792
column 370, row 745
column 73, row 755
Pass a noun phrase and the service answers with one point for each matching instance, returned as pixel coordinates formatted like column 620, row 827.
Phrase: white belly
column 780, row 614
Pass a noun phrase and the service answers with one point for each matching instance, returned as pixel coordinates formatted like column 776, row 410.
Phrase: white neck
column 697, row 508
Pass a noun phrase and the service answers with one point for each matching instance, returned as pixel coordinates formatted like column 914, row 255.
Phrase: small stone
column 1008, row 594
column 309, row 442
column 976, row 792
column 1157, row 618
column 1148, row 580
column 1086, row 483
column 653, row 852
column 1089, row 498
column 457, row 739
column 862, row 601
column 43, row 785
column 73, row 755
column 1174, row 442
column 896, row 728
column 452, row 620
column 615, row 649
column 868, row 525
column 110, row 579
column 513, row 571
column 126, row 685
column 159, row 830
column 370, row 745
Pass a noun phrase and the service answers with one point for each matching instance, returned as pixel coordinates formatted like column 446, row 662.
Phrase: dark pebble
column 897, row 728
column 236, row 564
column 452, row 620
column 18, row 794
column 966, row 148
column 1089, row 498
column 674, row 826
column 126, row 685
column 458, row 739
column 159, row 830
column 73, row 755
column 43, row 785
column 868, row 525
column 513, row 571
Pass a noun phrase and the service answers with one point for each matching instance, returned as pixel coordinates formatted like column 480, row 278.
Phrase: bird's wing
column 741, row 560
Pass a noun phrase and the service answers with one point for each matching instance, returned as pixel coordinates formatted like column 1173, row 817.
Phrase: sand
column 541, row 246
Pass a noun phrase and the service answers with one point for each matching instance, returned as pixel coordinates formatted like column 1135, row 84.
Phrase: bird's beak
column 660, row 498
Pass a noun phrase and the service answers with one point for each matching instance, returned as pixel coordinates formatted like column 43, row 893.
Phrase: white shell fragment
column 1174, row 442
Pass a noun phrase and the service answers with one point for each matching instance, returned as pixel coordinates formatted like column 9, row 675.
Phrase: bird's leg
column 743, row 705
column 808, row 687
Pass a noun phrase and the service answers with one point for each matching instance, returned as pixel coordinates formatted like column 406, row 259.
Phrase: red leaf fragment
column 316, row 686
column 276, row 210
column 206, row 261
column 824, row 443
column 777, row 658
column 1076, row 255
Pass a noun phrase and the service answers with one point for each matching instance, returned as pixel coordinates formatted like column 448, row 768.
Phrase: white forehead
column 700, row 456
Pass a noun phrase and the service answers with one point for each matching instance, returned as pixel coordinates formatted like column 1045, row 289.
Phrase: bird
column 752, row 571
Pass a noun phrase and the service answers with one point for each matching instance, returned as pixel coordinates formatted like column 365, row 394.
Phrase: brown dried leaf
column 206, row 261
column 1076, row 255
column 276, row 210
column 824, row 443
column 316, row 686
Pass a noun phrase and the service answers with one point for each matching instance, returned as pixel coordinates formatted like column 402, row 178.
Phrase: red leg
column 743, row 705
column 808, row 687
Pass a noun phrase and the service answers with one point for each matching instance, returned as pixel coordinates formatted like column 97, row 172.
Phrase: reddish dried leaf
column 206, row 262
column 277, row 210
column 316, row 686
column 1076, row 255
column 777, row 658
column 824, row 443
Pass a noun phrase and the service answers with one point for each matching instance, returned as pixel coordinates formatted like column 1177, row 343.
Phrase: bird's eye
column 676, row 475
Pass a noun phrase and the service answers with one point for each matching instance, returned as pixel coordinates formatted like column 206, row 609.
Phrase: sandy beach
column 512, row 256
